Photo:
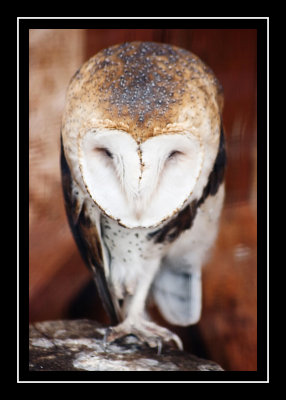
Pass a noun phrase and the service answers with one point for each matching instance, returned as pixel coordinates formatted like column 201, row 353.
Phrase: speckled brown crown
column 142, row 87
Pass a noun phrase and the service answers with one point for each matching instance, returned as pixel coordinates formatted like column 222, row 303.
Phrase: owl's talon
column 159, row 349
column 105, row 337
column 104, row 332
column 146, row 332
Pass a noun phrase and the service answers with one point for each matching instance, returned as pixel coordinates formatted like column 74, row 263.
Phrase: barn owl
column 142, row 161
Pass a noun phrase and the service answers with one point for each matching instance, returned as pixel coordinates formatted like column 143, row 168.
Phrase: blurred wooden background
column 60, row 284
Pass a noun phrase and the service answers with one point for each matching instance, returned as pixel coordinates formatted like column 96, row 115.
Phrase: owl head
column 141, row 130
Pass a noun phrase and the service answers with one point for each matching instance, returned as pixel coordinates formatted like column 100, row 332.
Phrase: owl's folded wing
column 87, row 238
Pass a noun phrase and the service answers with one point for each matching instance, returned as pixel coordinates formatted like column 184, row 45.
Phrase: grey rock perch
column 75, row 345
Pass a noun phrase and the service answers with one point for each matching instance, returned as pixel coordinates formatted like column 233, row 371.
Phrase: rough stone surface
column 76, row 345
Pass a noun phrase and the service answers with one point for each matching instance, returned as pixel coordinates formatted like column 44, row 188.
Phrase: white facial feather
column 147, row 183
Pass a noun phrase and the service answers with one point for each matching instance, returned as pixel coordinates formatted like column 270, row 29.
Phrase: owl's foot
column 145, row 331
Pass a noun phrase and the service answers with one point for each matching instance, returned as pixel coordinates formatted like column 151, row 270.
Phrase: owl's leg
column 136, row 323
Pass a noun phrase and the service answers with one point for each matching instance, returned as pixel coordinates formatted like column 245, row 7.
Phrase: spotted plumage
column 143, row 161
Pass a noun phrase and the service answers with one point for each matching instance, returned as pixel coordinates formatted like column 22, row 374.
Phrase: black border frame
column 262, row 26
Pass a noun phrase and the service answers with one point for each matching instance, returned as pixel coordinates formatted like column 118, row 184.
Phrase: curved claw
column 160, row 346
column 105, row 337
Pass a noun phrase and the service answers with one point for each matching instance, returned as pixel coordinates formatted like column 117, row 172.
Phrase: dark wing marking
column 217, row 175
column 176, row 226
column 185, row 218
column 86, row 237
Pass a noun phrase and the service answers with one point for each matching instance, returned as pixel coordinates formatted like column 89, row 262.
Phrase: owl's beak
column 140, row 202
column 138, row 208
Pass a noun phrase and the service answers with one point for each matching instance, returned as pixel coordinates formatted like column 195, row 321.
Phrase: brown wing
column 86, row 237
